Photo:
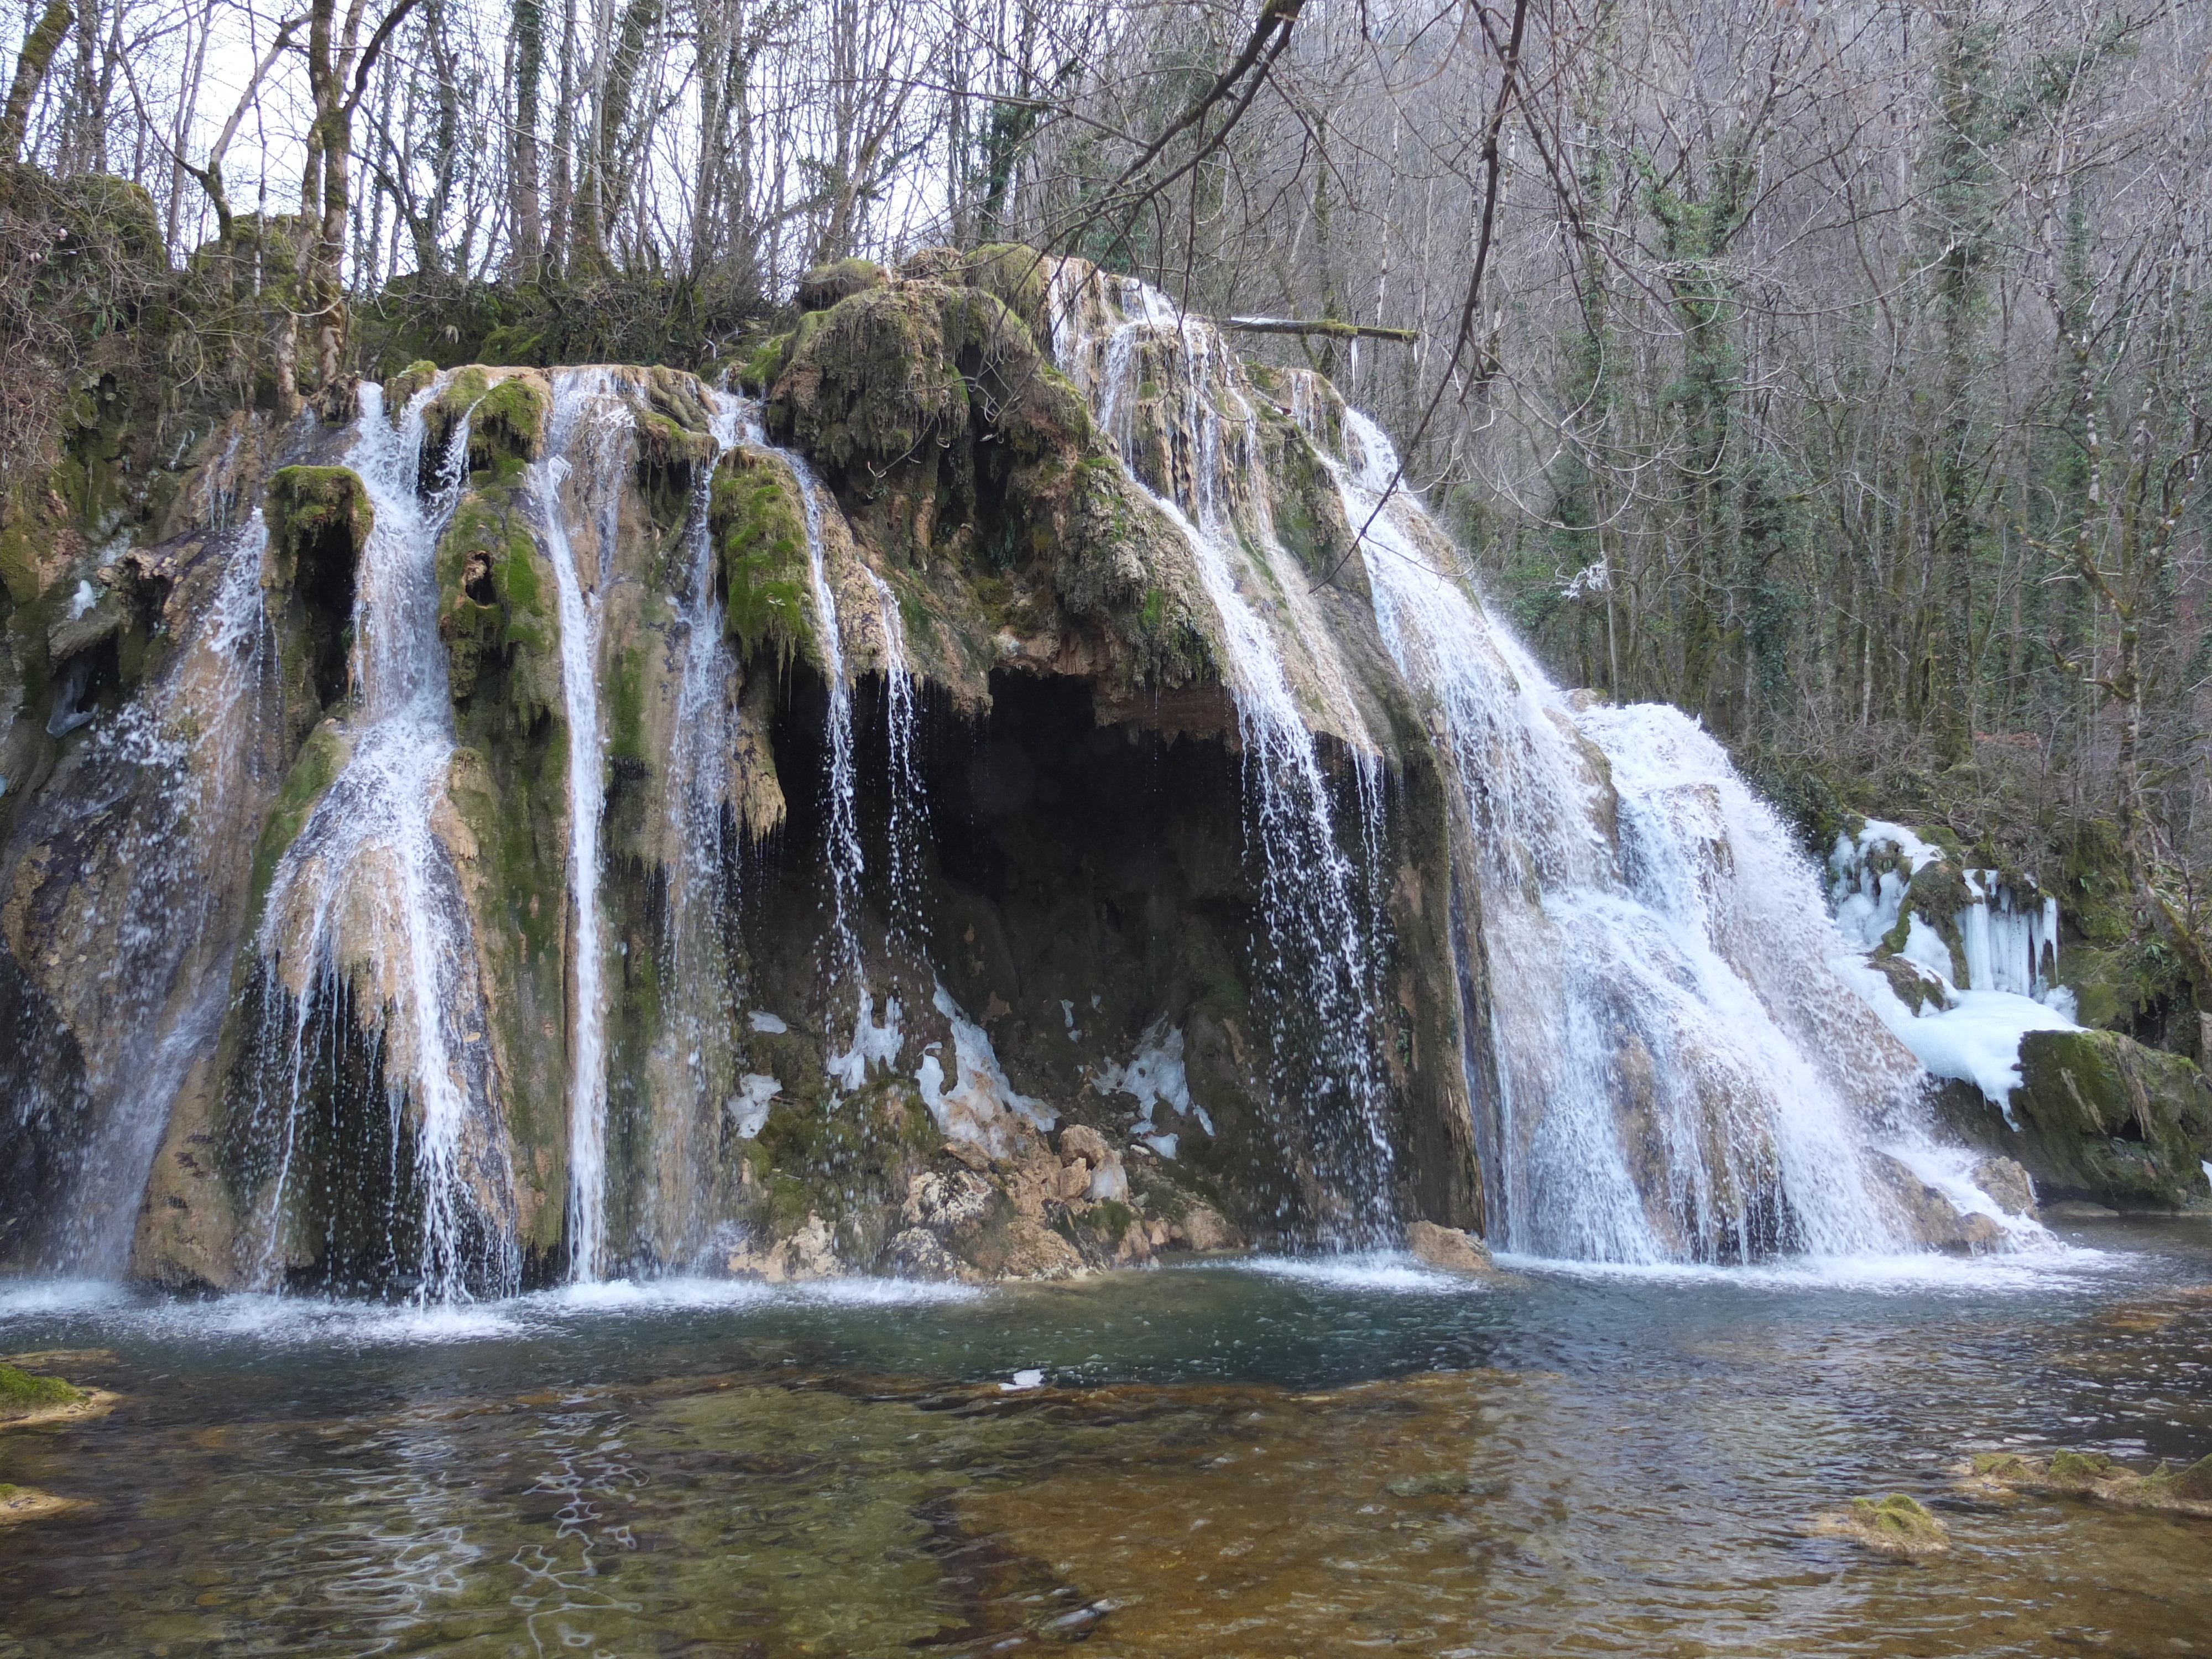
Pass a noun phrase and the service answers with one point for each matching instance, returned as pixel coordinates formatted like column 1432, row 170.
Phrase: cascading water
column 365, row 910
column 1312, row 938
column 699, row 974
column 1681, row 1074
column 162, row 988
column 905, row 822
column 587, row 443
column 872, row 1041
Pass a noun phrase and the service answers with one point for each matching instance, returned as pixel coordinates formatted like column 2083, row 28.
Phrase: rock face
column 2099, row 1117
column 1448, row 1248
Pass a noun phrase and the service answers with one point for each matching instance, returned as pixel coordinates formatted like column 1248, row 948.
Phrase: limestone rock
column 1448, row 1248
column 1932, row 1219
column 1080, row 1140
column 807, row 1255
column 2004, row 1180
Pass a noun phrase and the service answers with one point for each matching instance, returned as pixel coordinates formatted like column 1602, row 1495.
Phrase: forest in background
column 1840, row 371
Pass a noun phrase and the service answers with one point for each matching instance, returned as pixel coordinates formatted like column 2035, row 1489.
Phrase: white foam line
column 2064, row 1268
column 1372, row 1270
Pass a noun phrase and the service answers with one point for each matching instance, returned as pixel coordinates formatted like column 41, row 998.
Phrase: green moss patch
column 759, row 527
column 23, row 1391
column 2101, row 1115
column 2185, row 1489
column 507, row 418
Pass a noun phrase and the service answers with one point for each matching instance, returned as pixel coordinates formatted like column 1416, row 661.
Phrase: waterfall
column 365, row 905
column 905, row 824
column 872, row 1041
column 698, row 972
column 586, row 440
column 163, row 990
column 1110, row 334
column 1680, row 1073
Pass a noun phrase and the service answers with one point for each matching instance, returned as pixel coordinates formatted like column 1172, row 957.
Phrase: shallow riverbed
column 1255, row 1458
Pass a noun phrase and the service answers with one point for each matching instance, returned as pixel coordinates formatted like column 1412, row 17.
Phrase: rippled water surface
column 1267, row 1457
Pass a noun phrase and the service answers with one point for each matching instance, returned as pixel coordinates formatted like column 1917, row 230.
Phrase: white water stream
column 1312, row 939
column 1679, row 1072
column 367, row 897
column 588, row 457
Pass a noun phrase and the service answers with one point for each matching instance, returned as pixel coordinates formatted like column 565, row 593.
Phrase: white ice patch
column 1068, row 1013
column 763, row 1021
column 1163, row 1145
column 978, row 1105
column 2009, row 943
column 1022, row 1380
column 748, row 1108
column 1155, row 1076
column 873, row 1044
column 1976, row 1040
column 1924, row 949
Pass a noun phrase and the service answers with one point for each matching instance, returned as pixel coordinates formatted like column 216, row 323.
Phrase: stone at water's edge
column 2102, row 1118
column 1448, row 1248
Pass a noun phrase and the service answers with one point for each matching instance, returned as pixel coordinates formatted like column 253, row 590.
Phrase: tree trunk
column 30, row 74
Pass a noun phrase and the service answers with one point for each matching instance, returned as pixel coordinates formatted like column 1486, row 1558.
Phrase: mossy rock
column 1017, row 276
column 24, row 1392
column 496, row 604
column 399, row 391
column 1901, row 1522
column 764, row 367
column 507, row 418
column 2101, row 1115
column 320, row 759
column 824, row 286
column 306, row 504
column 759, row 527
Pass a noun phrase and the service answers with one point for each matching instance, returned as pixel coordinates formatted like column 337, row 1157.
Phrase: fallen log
column 1323, row 325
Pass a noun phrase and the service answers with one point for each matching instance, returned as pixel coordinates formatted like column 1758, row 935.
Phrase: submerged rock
column 1897, row 1526
column 22, row 1393
column 2187, row 1489
column 19, row 1504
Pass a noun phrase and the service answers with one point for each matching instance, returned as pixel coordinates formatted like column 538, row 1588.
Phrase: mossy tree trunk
column 38, row 54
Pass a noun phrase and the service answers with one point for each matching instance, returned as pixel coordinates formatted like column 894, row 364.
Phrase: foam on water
column 1391, row 1271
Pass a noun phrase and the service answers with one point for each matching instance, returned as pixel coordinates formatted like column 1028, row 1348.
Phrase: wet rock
column 918, row 1253
column 1449, row 1248
column 943, row 1201
column 1931, row 1216
column 20, row 1504
column 2004, row 1180
column 2079, row 1209
column 2187, row 1489
column 1202, row 1228
column 1897, row 1526
column 1022, row 1248
column 24, row 1393
column 807, row 1255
